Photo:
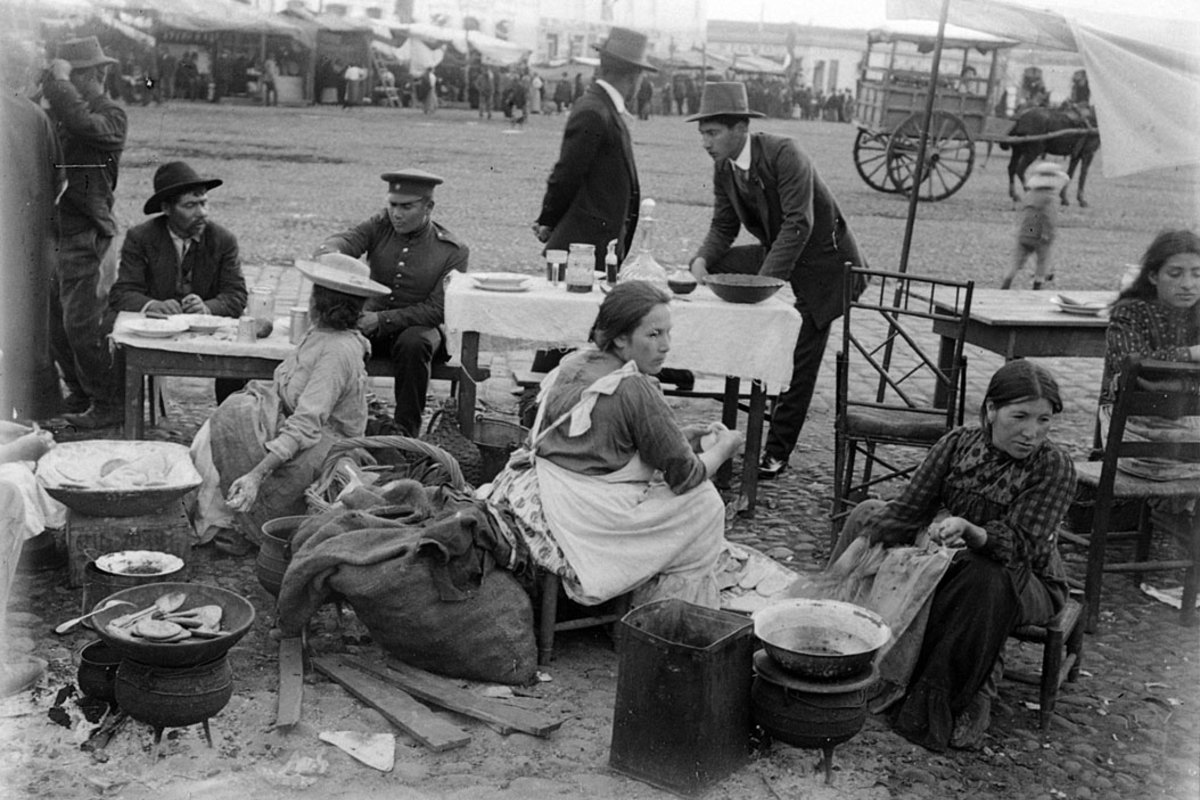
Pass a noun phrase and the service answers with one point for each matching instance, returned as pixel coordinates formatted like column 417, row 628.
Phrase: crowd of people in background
column 185, row 72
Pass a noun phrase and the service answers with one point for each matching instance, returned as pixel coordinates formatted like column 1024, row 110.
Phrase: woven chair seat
column 907, row 426
column 1129, row 487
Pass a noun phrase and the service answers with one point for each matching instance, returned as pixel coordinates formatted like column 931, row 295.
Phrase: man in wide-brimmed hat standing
column 769, row 186
column 413, row 256
column 592, row 195
column 91, row 128
column 180, row 261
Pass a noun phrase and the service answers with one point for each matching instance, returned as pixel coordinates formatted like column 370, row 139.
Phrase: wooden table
column 217, row 356
column 1025, row 324
column 708, row 335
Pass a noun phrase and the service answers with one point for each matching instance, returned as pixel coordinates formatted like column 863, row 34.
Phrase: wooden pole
column 919, row 167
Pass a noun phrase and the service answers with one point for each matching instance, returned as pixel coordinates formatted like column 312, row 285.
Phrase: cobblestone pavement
column 1127, row 728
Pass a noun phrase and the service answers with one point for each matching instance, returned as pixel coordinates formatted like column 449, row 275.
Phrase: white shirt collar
column 613, row 95
column 179, row 242
column 742, row 161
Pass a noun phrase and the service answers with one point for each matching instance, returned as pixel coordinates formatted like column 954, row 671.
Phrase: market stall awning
column 1132, row 64
column 920, row 31
column 757, row 64
column 500, row 52
column 692, row 59
column 214, row 16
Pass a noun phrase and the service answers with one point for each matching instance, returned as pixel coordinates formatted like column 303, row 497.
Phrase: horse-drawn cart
column 893, row 86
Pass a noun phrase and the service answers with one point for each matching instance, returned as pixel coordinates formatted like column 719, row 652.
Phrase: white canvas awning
column 1144, row 74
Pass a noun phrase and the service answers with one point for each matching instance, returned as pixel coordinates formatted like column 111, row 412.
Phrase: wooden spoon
column 71, row 623
column 169, row 602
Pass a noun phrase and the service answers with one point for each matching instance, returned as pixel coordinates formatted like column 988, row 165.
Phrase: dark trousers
column 223, row 387
column 79, row 322
column 411, row 351
column 791, row 405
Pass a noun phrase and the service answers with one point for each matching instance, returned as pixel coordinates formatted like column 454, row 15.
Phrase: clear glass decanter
column 641, row 265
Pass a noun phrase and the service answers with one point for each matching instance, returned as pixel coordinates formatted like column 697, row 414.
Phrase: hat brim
column 337, row 280
column 642, row 65
column 711, row 114
column 154, row 204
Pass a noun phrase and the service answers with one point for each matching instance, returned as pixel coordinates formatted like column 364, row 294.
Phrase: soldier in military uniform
column 413, row 255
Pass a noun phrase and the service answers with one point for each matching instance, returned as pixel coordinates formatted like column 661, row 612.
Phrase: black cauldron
column 813, row 714
column 174, row 697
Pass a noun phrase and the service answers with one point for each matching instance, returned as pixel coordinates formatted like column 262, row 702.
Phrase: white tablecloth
column 708, row 334
column 223, row 342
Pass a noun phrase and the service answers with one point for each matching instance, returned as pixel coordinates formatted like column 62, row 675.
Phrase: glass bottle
column 581, row 267
column 641, row 265
column 261, row 304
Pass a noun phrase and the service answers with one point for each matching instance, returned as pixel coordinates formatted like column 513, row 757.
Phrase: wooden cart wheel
column 949, row 155
column 870, row 159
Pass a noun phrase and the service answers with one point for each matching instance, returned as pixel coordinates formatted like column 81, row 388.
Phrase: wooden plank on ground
column 445, row 693
column 291, row 682
column 399, row 708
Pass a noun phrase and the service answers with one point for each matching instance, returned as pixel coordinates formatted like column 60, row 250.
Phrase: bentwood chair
column 899, row 386
column 1147, row 389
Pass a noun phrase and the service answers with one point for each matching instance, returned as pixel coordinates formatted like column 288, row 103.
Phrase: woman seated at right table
column 265, row 444
column 998, row 493
column 616, row 482
column 1156, row 317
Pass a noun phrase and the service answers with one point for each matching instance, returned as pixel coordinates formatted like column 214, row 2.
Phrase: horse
column 1080, row 148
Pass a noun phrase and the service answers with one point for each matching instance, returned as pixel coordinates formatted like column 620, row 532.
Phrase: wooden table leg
column 466, row 389
column 754, row 426
column 729, row 414
column 941, row 397
column 134, row 396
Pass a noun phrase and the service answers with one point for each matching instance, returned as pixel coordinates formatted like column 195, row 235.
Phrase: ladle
column 166, row 604
column 71, row 623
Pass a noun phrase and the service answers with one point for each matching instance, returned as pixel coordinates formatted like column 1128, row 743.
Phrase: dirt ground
column 1128, row 728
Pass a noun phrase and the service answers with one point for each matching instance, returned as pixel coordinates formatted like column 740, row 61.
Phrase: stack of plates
column 501, row 281
column 156, row 328
column 1071, row 306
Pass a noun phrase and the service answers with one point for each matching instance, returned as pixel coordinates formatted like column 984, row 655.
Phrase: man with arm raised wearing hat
column 91, row 129
column 413, row 256
column 180, row 262
column 769, row 186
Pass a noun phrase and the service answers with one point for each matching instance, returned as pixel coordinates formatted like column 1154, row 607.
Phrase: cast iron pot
column 807, row 713
column 97, row 672
column 172, row 697
column 275, row 551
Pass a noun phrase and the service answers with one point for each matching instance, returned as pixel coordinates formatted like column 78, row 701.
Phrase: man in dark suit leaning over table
column 414, row 256
column 180, row 262
column 767, row 185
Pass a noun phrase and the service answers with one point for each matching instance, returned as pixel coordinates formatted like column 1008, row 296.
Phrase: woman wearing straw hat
column 265, row 444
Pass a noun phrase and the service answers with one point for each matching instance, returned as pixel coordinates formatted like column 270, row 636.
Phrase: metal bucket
column 496, row 439
column 681, row 720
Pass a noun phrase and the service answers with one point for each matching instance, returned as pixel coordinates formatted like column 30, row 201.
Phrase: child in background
column 1039, row 217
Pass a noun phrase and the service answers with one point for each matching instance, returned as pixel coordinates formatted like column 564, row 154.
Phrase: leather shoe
column 770, row 467
column 95, row 418
column 75, row 403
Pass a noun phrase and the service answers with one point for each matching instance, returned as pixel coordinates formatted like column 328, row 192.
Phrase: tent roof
column 206, row 16
column 1123, row 55
column 692, row 59
column 920, row 31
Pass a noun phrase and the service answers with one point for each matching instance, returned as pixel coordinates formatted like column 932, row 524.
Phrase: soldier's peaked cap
column 411, row 184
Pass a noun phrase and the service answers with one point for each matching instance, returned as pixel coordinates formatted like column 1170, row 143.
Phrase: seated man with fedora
column 413, row 256
column 180, row 262
column 767, row 185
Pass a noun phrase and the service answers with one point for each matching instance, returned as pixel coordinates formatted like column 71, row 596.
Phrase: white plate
column 156, row 328
column 205, row 323
column 493, row 279
column 502, row 287
column 1082, row 309
column 139, row 562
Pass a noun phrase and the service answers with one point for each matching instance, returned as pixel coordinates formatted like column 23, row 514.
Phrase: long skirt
column 235, row 443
